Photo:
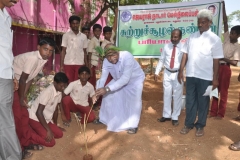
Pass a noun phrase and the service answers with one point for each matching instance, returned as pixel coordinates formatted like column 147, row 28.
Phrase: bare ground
column 154, row 140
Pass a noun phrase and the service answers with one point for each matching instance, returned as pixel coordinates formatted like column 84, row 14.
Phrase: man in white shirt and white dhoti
column 9, row 144
column 201, row 54
column 122, row 97
column 171, row 59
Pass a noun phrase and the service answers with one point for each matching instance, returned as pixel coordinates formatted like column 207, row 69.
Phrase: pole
column 54, row 37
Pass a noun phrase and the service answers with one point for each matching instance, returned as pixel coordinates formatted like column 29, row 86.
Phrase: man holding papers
column 202, row 52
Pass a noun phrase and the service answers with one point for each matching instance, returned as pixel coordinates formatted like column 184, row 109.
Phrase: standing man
column 231, row 50
column 171, row 59
column 122, row 97
column 74, row 50
column 9, row 145
column 202, row 52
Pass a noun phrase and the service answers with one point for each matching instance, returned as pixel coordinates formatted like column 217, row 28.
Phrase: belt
column 172, row 71
column 225, row 64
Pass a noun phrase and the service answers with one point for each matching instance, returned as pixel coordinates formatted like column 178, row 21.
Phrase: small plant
column 87, row 156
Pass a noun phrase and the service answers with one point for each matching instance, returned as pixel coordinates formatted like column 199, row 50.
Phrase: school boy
column 93, row 57
column 26, row 66
column 231, row 50
column 77, row 97
column 86, row 31
column 110, row 32
column 44, row 111
column 74, row 49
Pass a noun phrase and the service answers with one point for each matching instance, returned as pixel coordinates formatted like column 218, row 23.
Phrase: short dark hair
column 85, row 28
column 107, row 29
column 47, row 40
column 95, row 26
column 72, row 18
column 60, row 77
column 212, row 6
column 179, row 30
column 236, row 29
column 83, row 69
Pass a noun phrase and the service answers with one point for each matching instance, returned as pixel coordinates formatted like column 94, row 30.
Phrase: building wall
column 33, row 19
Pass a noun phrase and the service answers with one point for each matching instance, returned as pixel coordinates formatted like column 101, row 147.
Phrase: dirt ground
column 154, row 140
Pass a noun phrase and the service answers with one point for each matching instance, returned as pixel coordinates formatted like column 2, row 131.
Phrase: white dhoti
column 172, row 90
column 121, row 109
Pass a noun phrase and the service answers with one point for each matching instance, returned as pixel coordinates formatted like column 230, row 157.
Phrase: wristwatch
column 107, row 89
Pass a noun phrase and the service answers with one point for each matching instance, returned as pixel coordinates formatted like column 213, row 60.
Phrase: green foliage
column 112, row 4
column 102, row 52
column 232, row 16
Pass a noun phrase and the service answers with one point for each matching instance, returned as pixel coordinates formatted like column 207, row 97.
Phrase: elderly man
column 122, row 97
column 171, row 59
column 201, row 56
column 9, row 144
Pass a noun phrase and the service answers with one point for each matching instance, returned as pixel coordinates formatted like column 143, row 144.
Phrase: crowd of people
column 118, row 92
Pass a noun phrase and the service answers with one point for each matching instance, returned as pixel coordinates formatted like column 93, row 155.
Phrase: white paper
column 211, row 93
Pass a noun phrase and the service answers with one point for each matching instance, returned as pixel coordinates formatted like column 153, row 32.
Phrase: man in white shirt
column 9, row 144
column 202, row 52
column 122, row 97
column 171, row 59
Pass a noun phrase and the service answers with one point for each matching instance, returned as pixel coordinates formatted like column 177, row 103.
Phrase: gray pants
column 197, row 105
column 9, row 144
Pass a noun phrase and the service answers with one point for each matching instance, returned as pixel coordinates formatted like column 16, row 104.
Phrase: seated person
column 44, row 112
column 77, row 101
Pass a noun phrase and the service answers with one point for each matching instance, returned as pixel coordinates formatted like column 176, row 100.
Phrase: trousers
column 172, row 90
column 9, row 144
column 70, row 106
column 197, row 105
column 72, row 72
column 218, row 108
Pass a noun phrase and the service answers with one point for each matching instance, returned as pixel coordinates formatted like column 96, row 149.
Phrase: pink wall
column 41, row 14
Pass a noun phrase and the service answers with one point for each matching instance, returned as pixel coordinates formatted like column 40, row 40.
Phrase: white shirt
column 126, row 71
column 30, row 63
column 94, row 42
column 79, row 93
column 201, row 50
column 75, row 43
column 50, row 98
column 166, row 56
column 6, row 37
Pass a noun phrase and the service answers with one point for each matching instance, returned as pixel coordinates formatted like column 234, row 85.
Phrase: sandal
column 132, row 131
column 79, row 116
column 237, row 118
column 66, row 124
column 97, row 121
column 35, row 147
column 235, row 146
column 26, row 154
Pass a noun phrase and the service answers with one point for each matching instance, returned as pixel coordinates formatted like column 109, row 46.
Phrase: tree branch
column 103, row 9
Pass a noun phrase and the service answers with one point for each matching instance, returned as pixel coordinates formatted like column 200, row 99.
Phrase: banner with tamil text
column 143, row 30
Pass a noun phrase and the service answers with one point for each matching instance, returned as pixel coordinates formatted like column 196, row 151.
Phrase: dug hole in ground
column 154, row 140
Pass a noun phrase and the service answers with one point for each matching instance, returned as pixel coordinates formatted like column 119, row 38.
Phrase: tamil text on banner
column 145, row 29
